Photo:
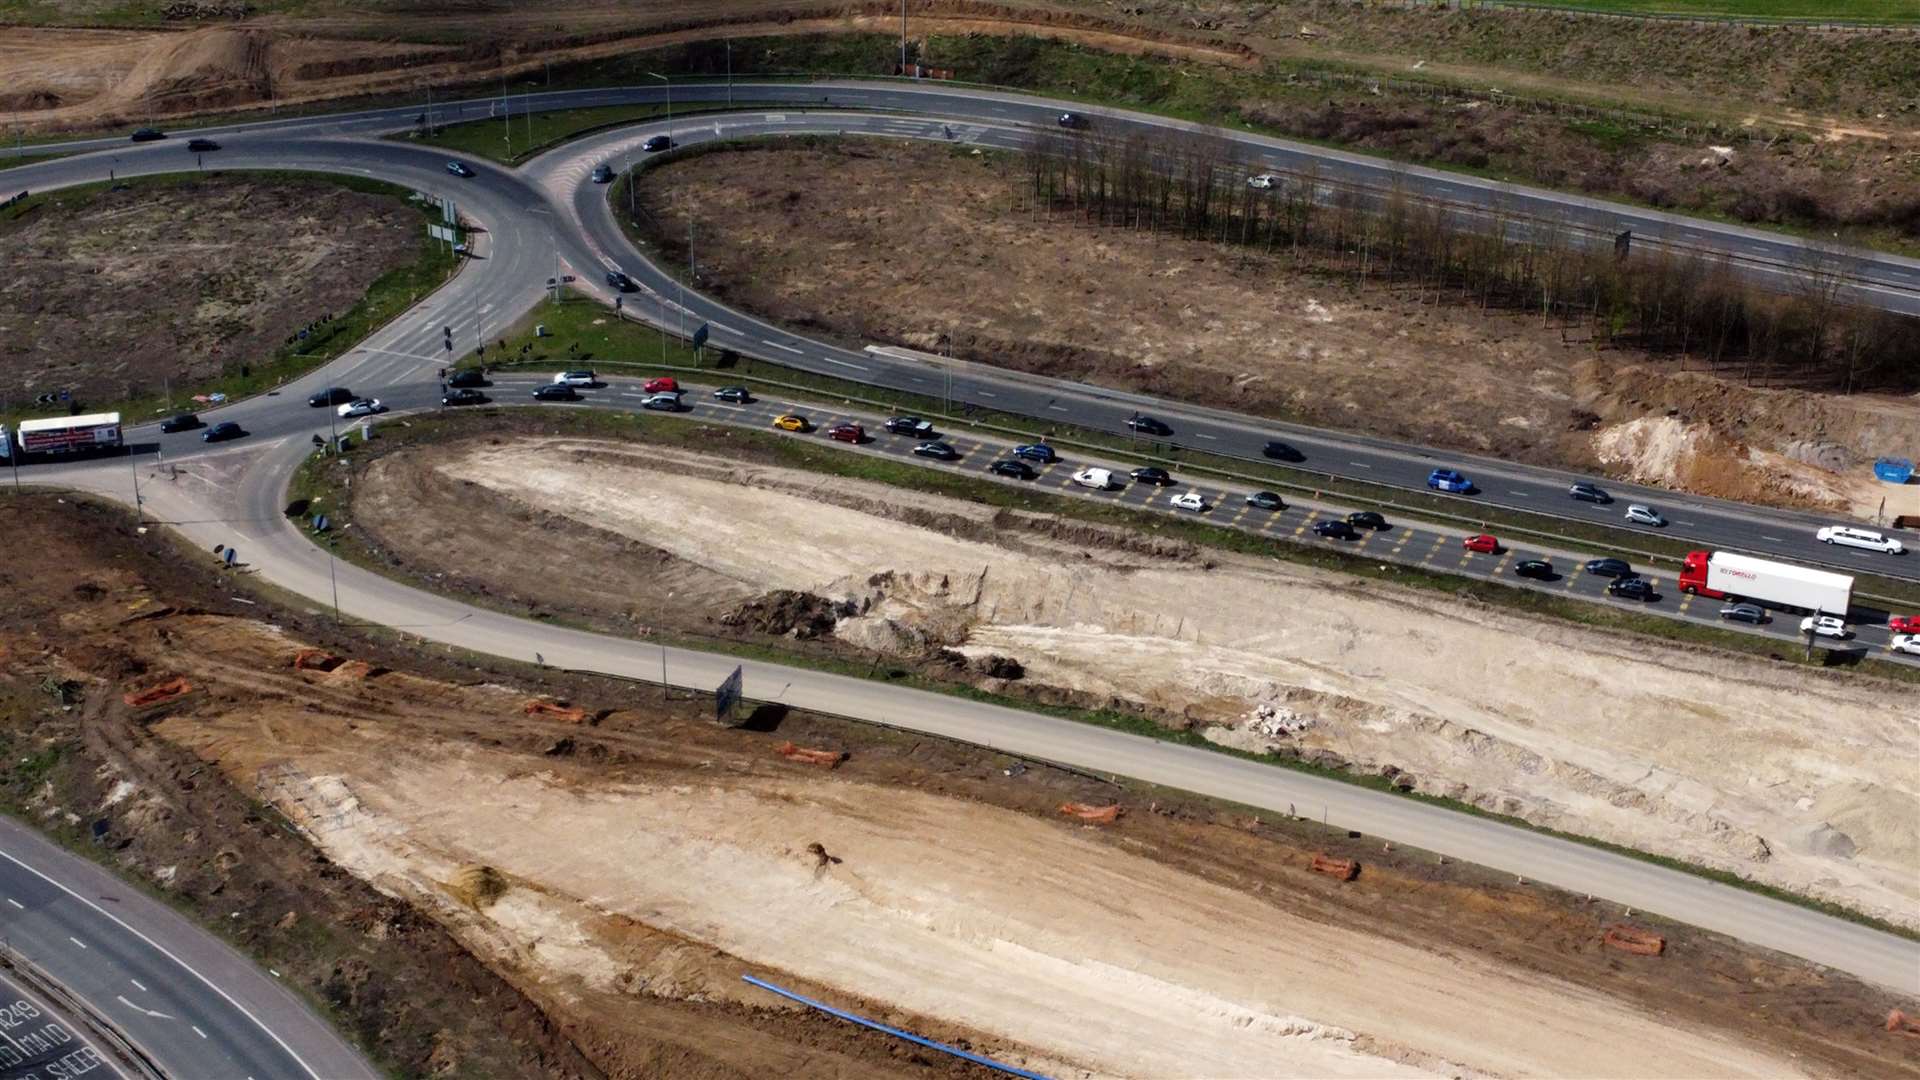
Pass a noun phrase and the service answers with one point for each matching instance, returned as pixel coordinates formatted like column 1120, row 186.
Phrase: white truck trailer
column 1723, row 575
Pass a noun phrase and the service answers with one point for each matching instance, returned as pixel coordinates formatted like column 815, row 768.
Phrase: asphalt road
column 41, row 1041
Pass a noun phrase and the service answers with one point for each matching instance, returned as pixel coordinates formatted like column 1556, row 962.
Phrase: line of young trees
column 1668, row 301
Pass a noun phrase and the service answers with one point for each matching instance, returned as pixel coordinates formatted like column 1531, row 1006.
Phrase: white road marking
column 1775, row 539
column 76, row 941
column 985, row 393
column 1359, row 464
column 1059, row 408
column 197, row 1031
column 777, row 345
column 1522, row 494
column 150, row 1012
column 16, row 903
column 722, row 327
column 1204, row 435
column 138, row 985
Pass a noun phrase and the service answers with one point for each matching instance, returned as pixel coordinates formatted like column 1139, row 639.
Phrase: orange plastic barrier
column 1099, row 815
column 315, row 660
column 1341, row 869
column 537, row 707
column 1634, row 940
column 1903, row 1024
column 172, row 688
column 827, row 758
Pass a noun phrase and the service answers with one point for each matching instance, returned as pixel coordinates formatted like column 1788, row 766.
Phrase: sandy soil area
column 1789, row 777
column 812, row 236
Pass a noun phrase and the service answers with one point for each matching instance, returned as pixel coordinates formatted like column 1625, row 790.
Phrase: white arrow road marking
column 150, row 1012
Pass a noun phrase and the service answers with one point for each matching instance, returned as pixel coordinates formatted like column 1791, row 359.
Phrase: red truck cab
column 1693, row 575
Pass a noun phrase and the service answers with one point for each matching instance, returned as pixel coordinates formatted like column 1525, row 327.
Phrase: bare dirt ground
column 920, row 245
column 622, row 871
column 109, row 293
column 1788, row 777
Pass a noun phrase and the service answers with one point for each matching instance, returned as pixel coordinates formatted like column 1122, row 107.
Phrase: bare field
column 1790, row 778
column 921, row 245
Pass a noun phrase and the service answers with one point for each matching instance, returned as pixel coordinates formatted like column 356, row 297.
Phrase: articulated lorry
column 65, row 435
column 1721, row 575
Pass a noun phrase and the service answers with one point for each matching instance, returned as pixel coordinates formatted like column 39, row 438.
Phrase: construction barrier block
column 1634, row 940
column 172, row 688
column 1902, row 1024
column 1098, row 815
column 825, row 758
column 1339, row 869
column 537, row 707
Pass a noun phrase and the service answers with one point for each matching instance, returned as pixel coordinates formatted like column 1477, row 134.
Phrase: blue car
column 1448, row 480
column 1039, row 452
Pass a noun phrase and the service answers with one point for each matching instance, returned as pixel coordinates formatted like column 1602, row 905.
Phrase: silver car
column 1643, row 514
column 1746, row 613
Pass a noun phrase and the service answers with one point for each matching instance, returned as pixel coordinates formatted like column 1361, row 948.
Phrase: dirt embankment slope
column 814, row 237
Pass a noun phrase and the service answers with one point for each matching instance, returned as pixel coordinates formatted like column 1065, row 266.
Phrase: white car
column 1190, row 500
column 662, row 402
column 362, row 407
column 1848, row 536
column 1097, row 479
column 1645, row 515
column 1825, row 626
column 1906, row 643
column 1264, row 181
column 575, row 378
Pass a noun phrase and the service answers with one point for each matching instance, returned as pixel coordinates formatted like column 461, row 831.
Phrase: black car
column 1539, row 569
column 201, row 146
column 1039, row 452
column 603, row 174
column 1147, row 425
column 1366, row 519
column 1280, row 451
column 1152, row 474
column 737, row 395
column 186, row 421
column 1631, row 588
column 1013, row 467
column 1613, row 568
column 909, row 425
column 463, row 396
column 468, row 377
column 1335, row 530
column 459, row 168
column 222, row 431
column 1585, row 492
column 1072, row 121
column 148, row 135
column 332, row 395
column 619, row 281
column 1746, row 613
column 938, row 450
column 554, row 392
column 657, row 144
column 1265, row 500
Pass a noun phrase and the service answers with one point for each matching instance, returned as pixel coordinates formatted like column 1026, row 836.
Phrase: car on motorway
column 1904, row 624
column 1585, row 492
column 665, row 384
column 792, row 422
column 1848, row 536
column 847, row 433
column 733, row 395
column 1280, row 451
column 619, row 281
column 661, row 402
column 1189, row 500
column 1613, row 568
column 1746, row 613
column 1039, row 452
column 459, row 168
column 147, row 134
column 1262, row 181
column 578, row 377
column 1366, row 519
column 1266, row 500
column 367, row 406
column 201, row 146
column 1097, row 479
column 938, row 451
column 603, row 174
column 657, row 144
column 222, row 431
column 1482, row 543
column 468, row 377
column 909, row 425
column 185, row 421
column 1905, row 643
column 1013, row 467
column 1449, row 480
column 555, row 392
column 1072, row 121
column 1152, row 474
column 1825, row 626
column 1642, row 514
column 1335, row 529
column 464, row 395
column 332, row 395
column 1147, row 425
column 1632, row 588
column 1537, row 569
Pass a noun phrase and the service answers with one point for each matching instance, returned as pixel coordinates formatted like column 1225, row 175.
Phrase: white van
column 1098, row 479
column 1848, row 536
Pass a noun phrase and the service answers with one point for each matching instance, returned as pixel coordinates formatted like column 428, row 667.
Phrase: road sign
column 727, row 696
column 700, row 336
column 447, row 213
column 442, row 232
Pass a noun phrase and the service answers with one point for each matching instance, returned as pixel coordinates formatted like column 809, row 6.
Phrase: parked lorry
column 68, row 434
column 1722, row 575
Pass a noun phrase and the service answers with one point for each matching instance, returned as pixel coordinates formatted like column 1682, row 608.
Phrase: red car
column 1483, row 543
column 849, row 433
column 1904, row 624
column 662, row 385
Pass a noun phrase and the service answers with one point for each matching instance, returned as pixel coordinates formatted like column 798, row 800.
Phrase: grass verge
column 536, row 134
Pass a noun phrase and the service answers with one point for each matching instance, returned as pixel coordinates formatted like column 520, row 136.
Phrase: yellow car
column 792, row 422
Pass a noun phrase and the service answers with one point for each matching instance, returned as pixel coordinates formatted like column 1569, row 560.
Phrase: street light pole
column 903, row 37
column 729, row 44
